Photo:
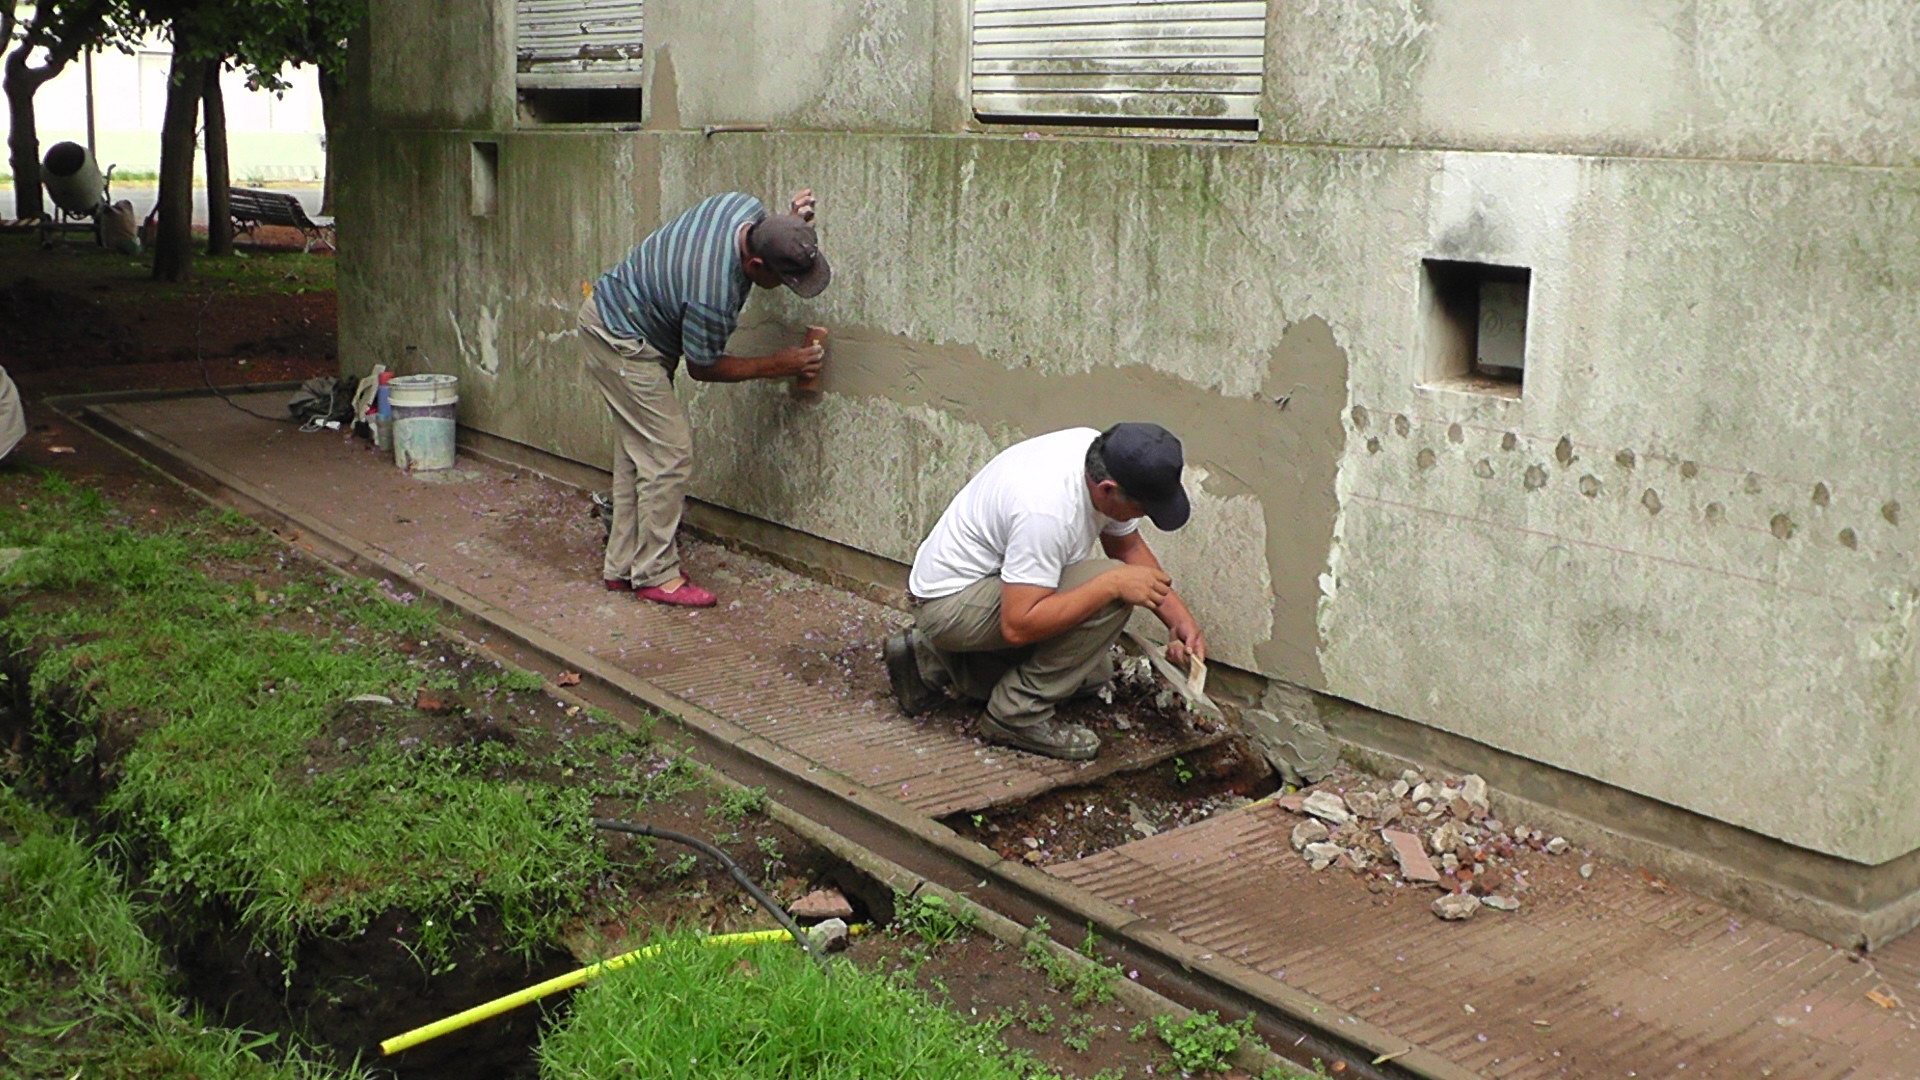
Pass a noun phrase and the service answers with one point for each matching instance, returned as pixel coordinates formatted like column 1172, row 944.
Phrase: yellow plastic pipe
column 563, row 982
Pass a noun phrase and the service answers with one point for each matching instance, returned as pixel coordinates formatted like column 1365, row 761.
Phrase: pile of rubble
column 1439, row 834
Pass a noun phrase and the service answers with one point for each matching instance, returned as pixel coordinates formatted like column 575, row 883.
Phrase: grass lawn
column 245, row 794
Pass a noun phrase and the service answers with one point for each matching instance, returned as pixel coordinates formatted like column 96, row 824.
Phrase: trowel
column 1190, row 684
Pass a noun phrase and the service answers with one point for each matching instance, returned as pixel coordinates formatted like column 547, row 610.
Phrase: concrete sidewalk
column 1616, row 976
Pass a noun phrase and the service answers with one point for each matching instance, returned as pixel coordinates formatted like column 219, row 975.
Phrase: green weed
column 1086, row 981
column 1201, row 1043
column 735, row 804
column 931, row 917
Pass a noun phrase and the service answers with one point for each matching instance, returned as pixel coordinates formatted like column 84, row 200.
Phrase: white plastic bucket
column 423, row 420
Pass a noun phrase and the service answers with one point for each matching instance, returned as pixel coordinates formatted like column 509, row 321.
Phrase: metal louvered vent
column 1148, row 63
column 578, row 42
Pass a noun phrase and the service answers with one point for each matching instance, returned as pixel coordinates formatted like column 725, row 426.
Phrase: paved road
column 143, row 195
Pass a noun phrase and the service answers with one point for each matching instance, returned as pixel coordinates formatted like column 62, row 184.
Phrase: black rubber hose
column 733, row 868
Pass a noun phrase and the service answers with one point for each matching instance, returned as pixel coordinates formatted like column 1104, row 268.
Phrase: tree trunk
column 329, row 108
column 214, row 109
column 173, row 241
column 23, row 137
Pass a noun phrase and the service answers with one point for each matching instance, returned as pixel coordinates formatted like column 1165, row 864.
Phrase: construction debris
column 1308, row 832
column 1411, row 856
column 1328, row 807
column 830, row 936
column 1416, row 830
column 822, row 904
column 1300, row 751
column 1456, row 906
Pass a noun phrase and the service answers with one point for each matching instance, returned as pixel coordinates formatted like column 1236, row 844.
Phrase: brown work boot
column 903, row 673
column 1049, row 738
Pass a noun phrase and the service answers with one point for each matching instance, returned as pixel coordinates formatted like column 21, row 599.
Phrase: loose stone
column 1308, row 832
column 1328, row 807
column 1323, row 852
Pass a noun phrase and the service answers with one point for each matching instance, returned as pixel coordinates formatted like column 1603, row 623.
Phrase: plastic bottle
column 383, row 409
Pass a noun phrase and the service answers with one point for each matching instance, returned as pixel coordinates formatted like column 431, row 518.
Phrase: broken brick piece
column 1411, row 854
column 822, row 904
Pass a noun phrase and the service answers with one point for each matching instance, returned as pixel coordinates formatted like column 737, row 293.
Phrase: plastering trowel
column 1190, row 685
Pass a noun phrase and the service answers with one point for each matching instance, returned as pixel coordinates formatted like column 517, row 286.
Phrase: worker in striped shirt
column 678, row 296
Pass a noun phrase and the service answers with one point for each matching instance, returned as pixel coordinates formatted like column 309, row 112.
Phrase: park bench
column 251, row 208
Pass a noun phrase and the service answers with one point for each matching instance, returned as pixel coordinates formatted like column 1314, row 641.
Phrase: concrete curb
column 1166, row 959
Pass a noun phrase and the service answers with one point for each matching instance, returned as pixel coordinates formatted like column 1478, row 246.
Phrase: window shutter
column 1188, row 63
column 567, row 43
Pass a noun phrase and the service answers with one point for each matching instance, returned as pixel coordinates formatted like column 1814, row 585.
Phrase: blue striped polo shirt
column 681, row 289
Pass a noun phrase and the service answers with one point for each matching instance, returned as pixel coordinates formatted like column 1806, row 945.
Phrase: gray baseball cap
column 792, row 249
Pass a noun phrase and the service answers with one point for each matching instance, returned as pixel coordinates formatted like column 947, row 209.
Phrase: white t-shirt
column 1025, row 517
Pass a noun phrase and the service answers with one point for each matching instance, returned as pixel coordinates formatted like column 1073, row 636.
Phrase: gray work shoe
column 903, row 671
column 1050, row 738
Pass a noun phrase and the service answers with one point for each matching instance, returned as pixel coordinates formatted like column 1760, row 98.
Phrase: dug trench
column 1073, row 823
column 337, row 991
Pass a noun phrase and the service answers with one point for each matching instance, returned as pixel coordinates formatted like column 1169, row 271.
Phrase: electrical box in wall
column 1503, row 328
column 1473, row 335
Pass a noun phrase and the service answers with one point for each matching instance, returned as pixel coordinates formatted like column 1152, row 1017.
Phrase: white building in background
column 270, row 136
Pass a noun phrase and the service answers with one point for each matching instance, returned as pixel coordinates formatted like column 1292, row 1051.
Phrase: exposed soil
column 348, row 994
column 1072, row 823
column 984, row 979
column 79, row 319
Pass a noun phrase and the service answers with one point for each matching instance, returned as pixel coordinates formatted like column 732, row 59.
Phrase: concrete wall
column 1677, row 564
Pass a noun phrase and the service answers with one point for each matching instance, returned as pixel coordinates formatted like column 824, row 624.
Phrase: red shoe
column 687, row 595
column 618, row 584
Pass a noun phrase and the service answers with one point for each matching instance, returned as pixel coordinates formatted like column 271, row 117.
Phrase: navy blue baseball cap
column 1145, row 460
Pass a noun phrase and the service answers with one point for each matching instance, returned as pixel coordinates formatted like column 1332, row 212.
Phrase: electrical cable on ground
column 199, row 319
column 733, row 868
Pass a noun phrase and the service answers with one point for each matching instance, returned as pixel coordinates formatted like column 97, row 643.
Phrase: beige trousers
column 652, row 453
column 959, row 644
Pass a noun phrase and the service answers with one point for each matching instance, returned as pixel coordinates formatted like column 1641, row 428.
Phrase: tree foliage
column 56, row 32
column 257, row 37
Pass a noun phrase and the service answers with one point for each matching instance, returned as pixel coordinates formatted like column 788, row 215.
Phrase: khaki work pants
column 652, row 453
column 959, row 644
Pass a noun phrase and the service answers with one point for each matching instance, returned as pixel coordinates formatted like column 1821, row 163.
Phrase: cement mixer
column 74, row 181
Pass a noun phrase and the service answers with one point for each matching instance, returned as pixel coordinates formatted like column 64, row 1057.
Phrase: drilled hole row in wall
column 1782, row 525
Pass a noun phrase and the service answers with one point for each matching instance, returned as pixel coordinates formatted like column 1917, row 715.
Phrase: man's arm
column 1030, row 613
column 1186, row 637
column 779, row 364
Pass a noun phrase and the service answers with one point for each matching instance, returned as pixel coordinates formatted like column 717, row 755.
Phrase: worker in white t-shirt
column 1013, row 602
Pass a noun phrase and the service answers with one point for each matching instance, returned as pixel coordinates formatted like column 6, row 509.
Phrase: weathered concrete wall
column 440, row 64
column 1677, row 564
column 1729, row 79
column 845, row 65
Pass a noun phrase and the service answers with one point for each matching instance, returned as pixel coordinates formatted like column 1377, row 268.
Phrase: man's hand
column 803, row 204
column 1141, row 586
column 802, row 360
column 1185, row 643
